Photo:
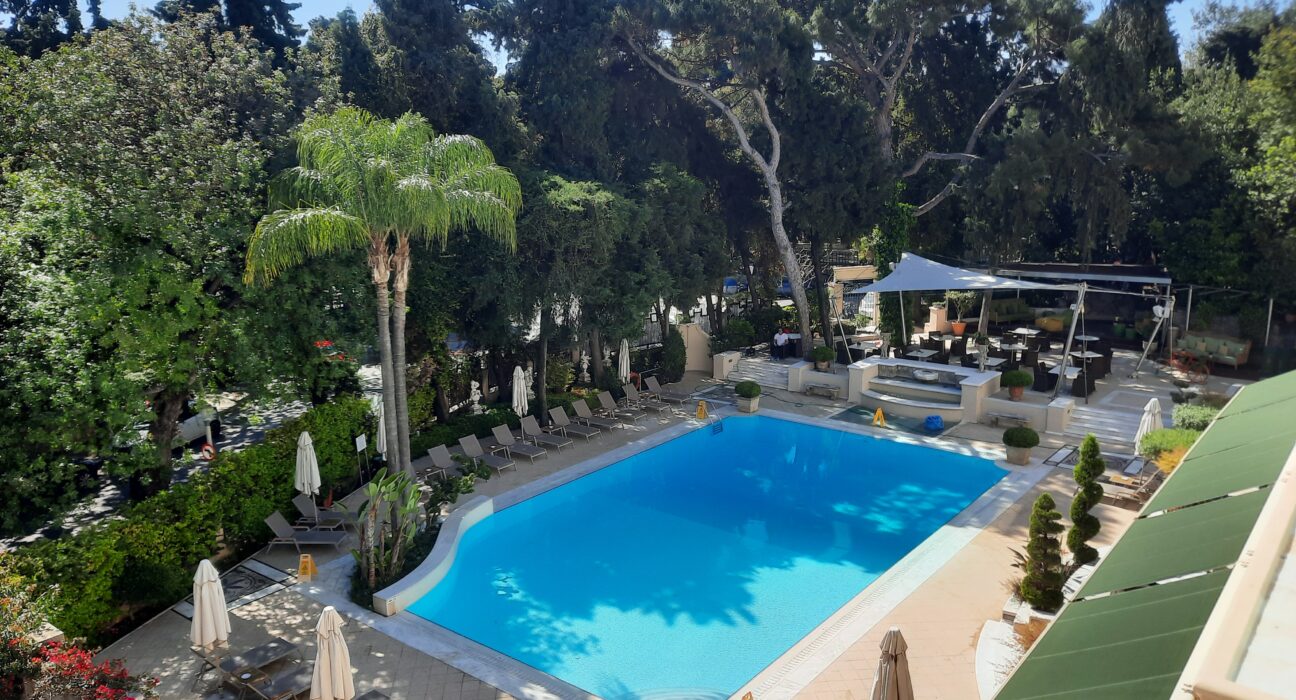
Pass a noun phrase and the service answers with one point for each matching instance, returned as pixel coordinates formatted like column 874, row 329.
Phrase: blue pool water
column 690, row 567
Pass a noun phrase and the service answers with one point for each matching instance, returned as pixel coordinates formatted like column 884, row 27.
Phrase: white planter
column 1019, row 455
column 748, row 405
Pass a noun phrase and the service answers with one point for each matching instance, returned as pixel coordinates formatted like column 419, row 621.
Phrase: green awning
column 1208, row 475
column 1180, row 542
column 1279, row 388
column 1127, row 645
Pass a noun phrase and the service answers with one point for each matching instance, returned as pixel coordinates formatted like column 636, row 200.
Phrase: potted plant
column 1019, row 442
column 748, row 396
column 823, row 357
column 1016, row 382
column 959, row 303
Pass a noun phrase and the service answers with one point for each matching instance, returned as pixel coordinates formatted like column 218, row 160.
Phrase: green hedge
column 448, row 433
column 114, row 570
column 1193, row 416
column 1165, row 440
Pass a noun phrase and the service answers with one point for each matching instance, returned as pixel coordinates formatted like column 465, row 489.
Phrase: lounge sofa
column 1220, row 349
column 1011, row 310
column 1058, row 323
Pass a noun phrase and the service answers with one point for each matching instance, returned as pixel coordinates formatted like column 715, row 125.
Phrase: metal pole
column 1269, row 322
column 1188, row 315
column 1066, row 349
column 904, row 330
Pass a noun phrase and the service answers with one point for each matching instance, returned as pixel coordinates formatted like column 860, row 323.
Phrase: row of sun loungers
column 247, row 671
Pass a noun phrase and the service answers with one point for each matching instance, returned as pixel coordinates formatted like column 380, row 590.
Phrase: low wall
column 697, row 348
column 417, row 583
column 802, row 373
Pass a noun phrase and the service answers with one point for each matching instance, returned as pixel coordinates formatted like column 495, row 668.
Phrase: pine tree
column 1085, row 525
column 1042, row 585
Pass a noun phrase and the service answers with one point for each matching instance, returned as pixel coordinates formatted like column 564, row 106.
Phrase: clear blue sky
column 1180, row 13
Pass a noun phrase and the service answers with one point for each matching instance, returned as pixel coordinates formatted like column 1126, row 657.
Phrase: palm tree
column 361, row 181
column 462, row 188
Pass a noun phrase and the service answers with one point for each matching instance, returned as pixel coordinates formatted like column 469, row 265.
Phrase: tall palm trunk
column 401, row 270
column 380, row 267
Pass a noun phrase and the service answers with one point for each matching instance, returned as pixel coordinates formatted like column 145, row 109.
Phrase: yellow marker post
column 879, row 418
column 306, row 568
column 702, row 410
column 747, row 696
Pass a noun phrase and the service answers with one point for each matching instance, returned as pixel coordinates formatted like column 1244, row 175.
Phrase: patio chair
column 298, row 535
column 474, row 450
column 505, row 439
column 563, row 424
column 968, row 360
column 313, row 517
column 958, row 347
column 665, row 394
column 442, row 462
column 373, row 695
column 288, row 683
column 532, row 431
column 610, row 408
column 633, row 396
column 586, row 416
column 231, row 666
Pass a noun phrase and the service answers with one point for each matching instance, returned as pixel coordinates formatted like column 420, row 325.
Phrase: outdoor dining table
column 1071, row 372
column 1085, row 354
column 920, row 354
column 1032, row 332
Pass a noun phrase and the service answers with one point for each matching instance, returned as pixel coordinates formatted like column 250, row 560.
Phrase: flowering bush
column 67, row 671
column 22, row 613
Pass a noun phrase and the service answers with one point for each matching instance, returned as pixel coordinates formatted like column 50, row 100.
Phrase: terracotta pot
column 958, row 327
column 1015, row 392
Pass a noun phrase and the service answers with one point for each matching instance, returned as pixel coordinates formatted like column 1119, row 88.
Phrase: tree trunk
column 784, row 245
column 596, row 357
column 485, row 375
column 821, row 290
column 542, row 368
column 401, row 265
column 167, row 405
column 440, row 404
column 380, row 267
column 712, row 313
column 745, row 255
column 663, row 319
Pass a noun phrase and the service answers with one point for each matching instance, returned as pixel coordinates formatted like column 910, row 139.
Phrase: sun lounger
column 563, row 424
column 664, row 394
column 314, row 517
column 586, row 416
column 373, row 695
column 298, row 535
column 442, row 462
column 612, row 410
column 531, row 430
column 634, row 397
column 474, row 450
column 505, row 439
column 288, row 683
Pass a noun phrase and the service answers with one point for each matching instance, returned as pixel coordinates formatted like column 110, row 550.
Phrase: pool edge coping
column 789, row 673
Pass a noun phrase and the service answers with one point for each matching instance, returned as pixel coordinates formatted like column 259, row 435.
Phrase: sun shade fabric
column 1180, row 542
column 918, row 274
column 1245, row 447
column 1127, row 645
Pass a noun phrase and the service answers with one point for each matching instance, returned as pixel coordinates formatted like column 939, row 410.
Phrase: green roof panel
column 1209, row 475
column 1180, row 542
column 1279, row 388
column 1127, row 645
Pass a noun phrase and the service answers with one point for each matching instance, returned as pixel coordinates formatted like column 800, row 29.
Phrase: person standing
column 780, row 344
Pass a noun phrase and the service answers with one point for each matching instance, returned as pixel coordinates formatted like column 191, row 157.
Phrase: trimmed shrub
column 1016, row 378
column 118, row 570
column 1041, row 587
column 737, row 333
column 674, row 356
column 1166, row 439
column 747, row 389
column 1084, row 525
column 1194, row 417
column 558, row 374
column 1021, row 436
column 823, row 353
column 448, row 433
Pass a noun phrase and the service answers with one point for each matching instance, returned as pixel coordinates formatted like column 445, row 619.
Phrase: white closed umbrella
column 306, row 479
column 332, row 677
column 380, row 442
column 623, row 361
column 1151, row 420
column 520, row 405
column 892, row 681
column 210, row 625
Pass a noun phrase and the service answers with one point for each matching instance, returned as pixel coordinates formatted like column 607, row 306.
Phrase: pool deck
column 941, row 617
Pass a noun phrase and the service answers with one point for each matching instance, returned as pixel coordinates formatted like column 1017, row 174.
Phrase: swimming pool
column 686, row 569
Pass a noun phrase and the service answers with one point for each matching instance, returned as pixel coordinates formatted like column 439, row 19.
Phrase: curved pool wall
column 727, row 548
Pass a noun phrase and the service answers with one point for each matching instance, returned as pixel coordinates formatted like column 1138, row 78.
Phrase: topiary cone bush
column 1042, row 585
column 1088, row 492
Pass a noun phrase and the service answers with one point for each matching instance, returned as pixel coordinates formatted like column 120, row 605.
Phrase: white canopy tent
column 915, row 273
